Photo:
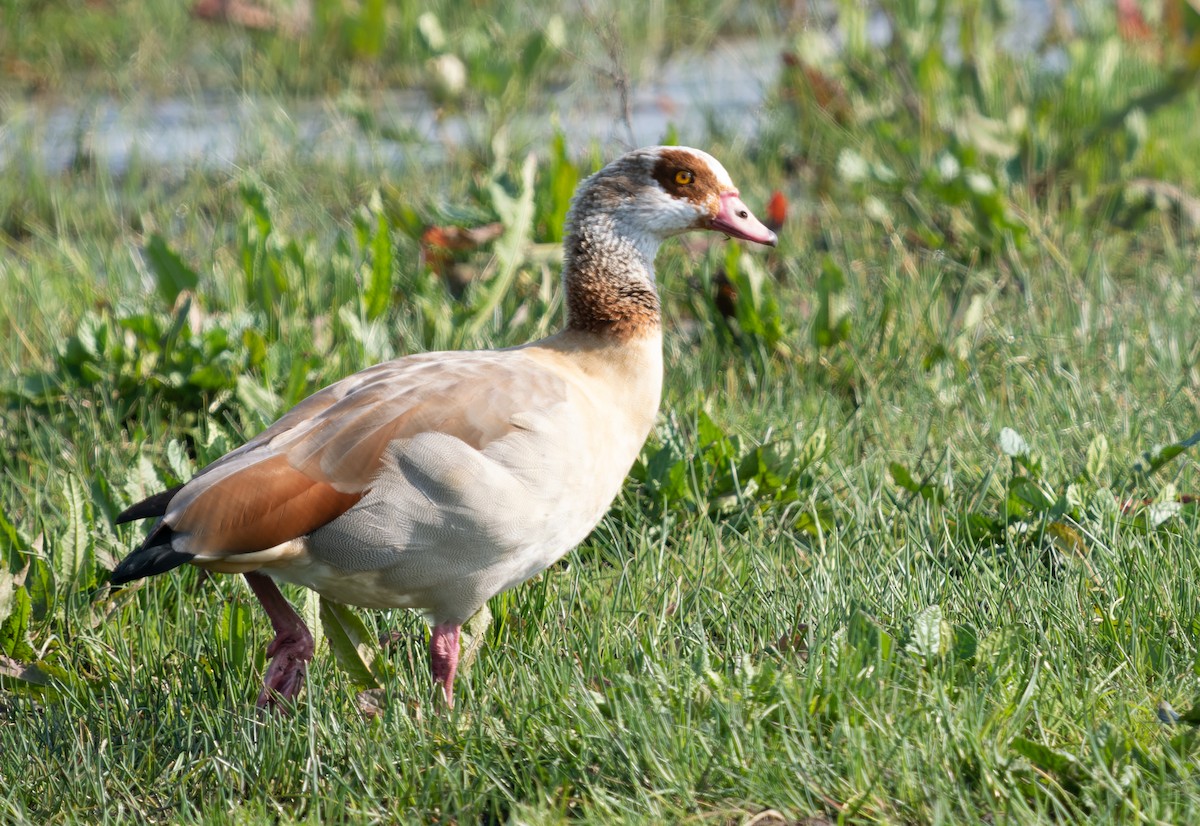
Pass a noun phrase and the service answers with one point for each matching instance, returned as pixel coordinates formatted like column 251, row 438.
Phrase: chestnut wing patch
column 258, row 506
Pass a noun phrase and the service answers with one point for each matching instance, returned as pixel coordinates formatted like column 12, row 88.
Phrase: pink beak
column 736, row 221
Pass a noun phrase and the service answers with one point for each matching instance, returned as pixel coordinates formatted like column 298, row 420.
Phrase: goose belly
column 444, row 527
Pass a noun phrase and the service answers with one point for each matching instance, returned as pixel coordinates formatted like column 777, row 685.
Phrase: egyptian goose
column 438, row 480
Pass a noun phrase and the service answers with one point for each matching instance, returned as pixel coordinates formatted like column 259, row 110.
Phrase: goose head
column 651, row 194
column 622, row 214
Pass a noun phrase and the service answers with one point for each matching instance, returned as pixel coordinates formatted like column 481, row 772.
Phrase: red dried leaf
column 776, row 211
column 438, row 244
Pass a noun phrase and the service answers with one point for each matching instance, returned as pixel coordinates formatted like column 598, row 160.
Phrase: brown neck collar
column 609, row 283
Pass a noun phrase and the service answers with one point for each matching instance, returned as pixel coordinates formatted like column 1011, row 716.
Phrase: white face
column 657, row 212
column 662, row 205
column 652, row 194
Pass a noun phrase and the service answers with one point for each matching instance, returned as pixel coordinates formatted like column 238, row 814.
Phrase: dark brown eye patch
column 684, row 175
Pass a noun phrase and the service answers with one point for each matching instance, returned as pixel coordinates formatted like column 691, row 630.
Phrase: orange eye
column 683, row 177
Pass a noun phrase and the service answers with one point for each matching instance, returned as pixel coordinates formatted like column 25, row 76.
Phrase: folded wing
column 323, row 456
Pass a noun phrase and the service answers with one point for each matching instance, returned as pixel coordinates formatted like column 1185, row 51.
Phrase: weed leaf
column 931, row 636
column 72, row 550
column 14, row 630
column 353, row 646
column 1097, row 458
column 14, row 670
column 172, row 275
column 1065, row 766
column 1154, row 459
column 516, row 212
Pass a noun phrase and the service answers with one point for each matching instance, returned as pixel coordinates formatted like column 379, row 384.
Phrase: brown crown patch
column 703, row 190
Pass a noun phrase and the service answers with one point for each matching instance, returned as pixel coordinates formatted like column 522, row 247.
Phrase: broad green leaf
column 373, row 336
column 180, row 462
column 1154, row 459
column 814, row 447
column 310, row 611
column 816, row 521
column 757, row 307
column 903, row 478
column 707, row 432
column 71, row 551
column 1097, row 458
column 931, row 635
column 216, row 444
column 14, row 630
column 369, row 32
column 378, row 293
column 256, row 347
column 517, row 215
column 256, row 203
column 865, row 634
column 12, row 538
column 8, row 584
column 235, row 629
column 143, row 480
column 666, row 475
column 12, row 669
column 831, row 323
column 776, row 464
column 555, row 198
column 977, row 526
column 534, row 47
column 40, row 584
column 1052, row 760
column 355, row 649
column 1027, row 491
column 966, row 643
column 91, row 336
column 173, row 276
column 474, row 632
column 211, row 376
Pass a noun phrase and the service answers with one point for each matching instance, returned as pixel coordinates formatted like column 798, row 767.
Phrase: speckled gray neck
column 609, row 277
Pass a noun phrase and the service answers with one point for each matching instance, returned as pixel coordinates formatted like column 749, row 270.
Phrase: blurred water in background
column 697, row 95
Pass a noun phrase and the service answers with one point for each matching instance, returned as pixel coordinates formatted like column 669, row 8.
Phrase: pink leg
column 289, row 652
column 443, row 658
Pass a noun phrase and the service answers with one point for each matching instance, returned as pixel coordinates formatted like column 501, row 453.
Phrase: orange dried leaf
column 777, row 210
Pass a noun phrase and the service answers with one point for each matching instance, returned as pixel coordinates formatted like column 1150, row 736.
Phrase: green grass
column 158, row 48
column 831, row 588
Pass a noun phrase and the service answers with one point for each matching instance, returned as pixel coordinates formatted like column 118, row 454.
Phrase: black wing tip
column 156, row 556
column 146, row 562
column 155, row 505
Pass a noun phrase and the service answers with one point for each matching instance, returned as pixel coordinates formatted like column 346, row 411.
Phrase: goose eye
column 683, row 177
